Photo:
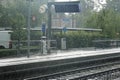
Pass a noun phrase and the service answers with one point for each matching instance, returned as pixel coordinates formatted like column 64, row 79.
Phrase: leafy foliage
column 14, row 14
column 107, row 20
column 78, row 39
column 18, row 23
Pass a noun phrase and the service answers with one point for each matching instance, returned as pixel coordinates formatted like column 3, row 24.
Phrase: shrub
column 78, row 39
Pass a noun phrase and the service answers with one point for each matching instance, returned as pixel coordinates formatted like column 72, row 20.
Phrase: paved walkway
column 57, row 56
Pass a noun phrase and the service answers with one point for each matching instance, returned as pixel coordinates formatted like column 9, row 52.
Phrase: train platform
column 60, row 55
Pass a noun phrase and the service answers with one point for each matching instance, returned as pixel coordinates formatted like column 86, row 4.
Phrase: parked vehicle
column 5, row 39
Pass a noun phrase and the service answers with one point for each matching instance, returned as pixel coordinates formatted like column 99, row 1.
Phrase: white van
column 5, row 39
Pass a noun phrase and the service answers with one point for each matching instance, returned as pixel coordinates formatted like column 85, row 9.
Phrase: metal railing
column 19, row 48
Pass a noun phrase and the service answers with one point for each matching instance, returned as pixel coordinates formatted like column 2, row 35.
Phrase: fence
column 19, row 48
column 106, row 43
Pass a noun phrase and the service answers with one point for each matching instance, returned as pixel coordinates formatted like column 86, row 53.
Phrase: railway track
column 109, row 70
column 59, row 70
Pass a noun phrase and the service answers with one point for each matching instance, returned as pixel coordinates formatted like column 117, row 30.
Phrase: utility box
column 63, row 43
column 44, row 45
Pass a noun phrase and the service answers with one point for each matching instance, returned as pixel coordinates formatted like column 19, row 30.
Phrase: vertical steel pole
column 49, row 27
column 28, row 28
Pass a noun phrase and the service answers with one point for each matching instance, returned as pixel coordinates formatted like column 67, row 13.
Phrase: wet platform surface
column 57, row 56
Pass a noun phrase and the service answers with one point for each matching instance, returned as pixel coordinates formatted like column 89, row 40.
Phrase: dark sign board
column 67, row 7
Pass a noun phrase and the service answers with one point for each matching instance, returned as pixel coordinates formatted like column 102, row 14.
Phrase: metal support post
column 28, row 28
column 49, row 28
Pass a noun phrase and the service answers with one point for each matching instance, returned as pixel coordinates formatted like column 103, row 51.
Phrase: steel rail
column 108, row 74
column 22, row 72
column 63, row 73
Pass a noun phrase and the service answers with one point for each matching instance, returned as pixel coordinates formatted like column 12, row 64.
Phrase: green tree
column 107, row 20
column 18, row 23
column 113, row 4
column 4, row 16
column 86, row 10
column 14, row 13
column 91, row 21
